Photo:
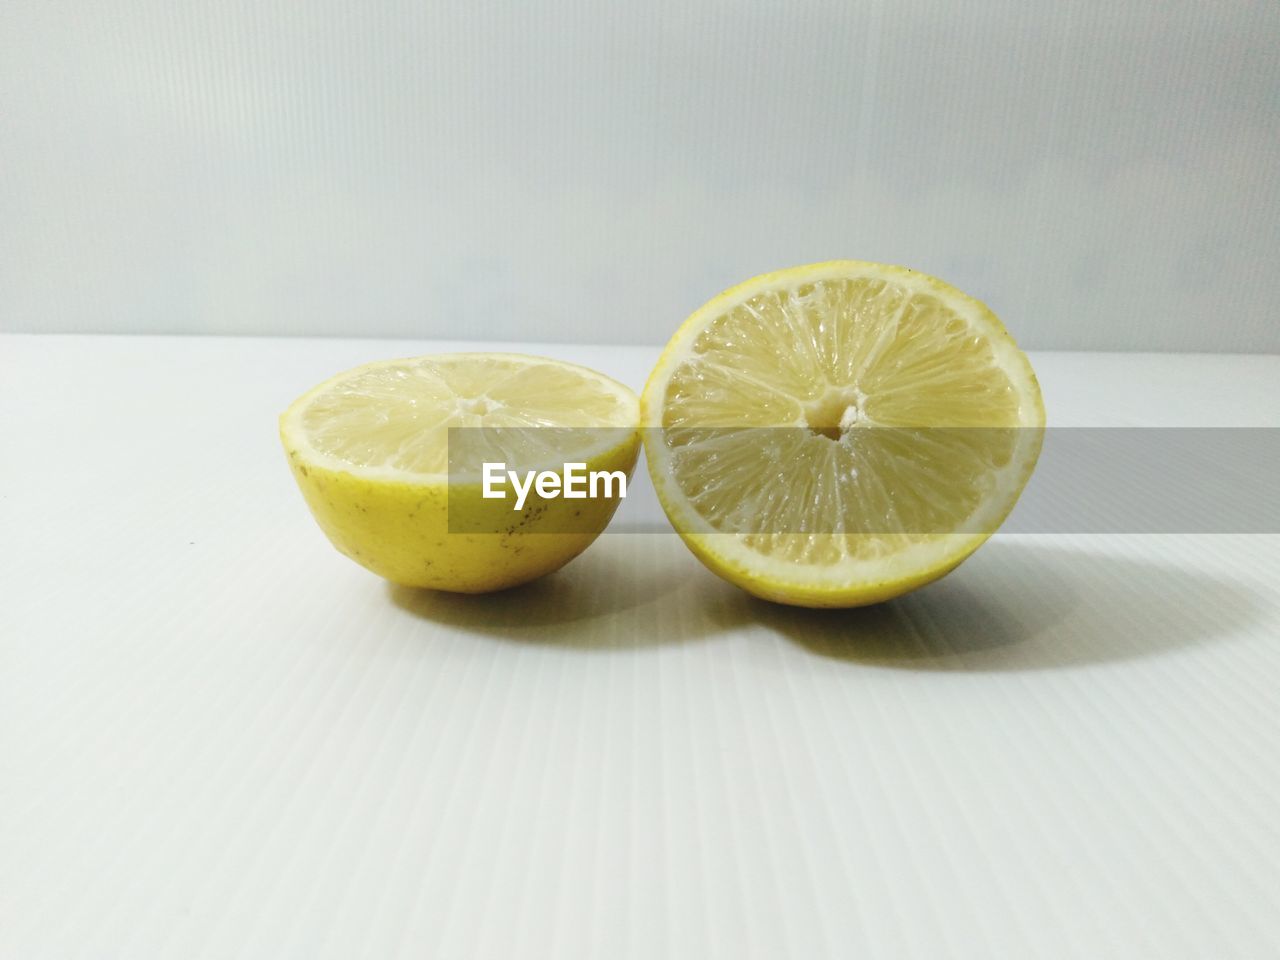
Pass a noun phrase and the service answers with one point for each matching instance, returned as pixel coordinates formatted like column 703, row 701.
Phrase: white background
column 1102, row 174
column 221, row 740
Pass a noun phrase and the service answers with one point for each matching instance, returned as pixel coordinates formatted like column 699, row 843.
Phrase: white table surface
column 220, row 738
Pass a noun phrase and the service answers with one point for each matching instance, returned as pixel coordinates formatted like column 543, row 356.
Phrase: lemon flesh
column 840, row 433
column 370, row 451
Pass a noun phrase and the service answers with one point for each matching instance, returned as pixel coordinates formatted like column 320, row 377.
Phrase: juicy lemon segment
column 370, row 451
column 840, row 433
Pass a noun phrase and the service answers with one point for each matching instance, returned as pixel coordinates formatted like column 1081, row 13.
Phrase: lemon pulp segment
column 840, row 433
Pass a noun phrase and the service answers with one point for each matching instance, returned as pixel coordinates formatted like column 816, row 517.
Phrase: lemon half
column 840, row 433
column 369, row 450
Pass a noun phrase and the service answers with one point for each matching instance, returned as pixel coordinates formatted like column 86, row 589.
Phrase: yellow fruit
column 370, row 450
column 840, row 433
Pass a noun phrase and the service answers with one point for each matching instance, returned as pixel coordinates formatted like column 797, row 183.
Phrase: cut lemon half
column 391, row 456
column 841, row 433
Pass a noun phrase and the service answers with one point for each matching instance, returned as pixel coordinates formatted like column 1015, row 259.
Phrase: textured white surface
column 1103, row 174
column 219, row 738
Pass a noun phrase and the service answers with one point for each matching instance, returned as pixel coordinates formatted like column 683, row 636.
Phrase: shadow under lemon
column 1014, row 605
column 605, row 599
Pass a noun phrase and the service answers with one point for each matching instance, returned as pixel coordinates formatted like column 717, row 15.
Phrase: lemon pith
column 840, row 433
column 369, row 452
